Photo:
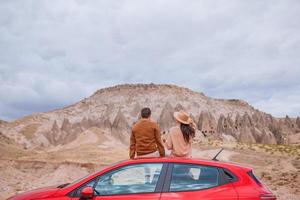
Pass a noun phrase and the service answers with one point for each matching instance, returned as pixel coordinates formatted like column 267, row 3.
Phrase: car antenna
column 215, row 158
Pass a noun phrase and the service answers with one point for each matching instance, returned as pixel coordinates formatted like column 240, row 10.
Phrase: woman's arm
column 169, row 143
column 160, row 146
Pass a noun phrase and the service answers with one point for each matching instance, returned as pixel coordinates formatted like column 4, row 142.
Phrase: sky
column 54, row 53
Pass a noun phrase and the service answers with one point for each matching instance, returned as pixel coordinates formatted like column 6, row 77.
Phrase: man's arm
column 159, row 143
column 132, row 146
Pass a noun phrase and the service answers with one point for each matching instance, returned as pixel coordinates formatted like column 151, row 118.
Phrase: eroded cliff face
column 298, row 122
column 249, row 128
column 114, row 110
column 2, row 122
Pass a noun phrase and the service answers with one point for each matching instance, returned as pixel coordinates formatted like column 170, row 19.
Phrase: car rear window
column 253, row 177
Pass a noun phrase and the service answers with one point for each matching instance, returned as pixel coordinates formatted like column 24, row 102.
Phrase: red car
column 160, row 178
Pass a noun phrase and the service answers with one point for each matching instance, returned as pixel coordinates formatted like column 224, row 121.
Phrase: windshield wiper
column 63, row 185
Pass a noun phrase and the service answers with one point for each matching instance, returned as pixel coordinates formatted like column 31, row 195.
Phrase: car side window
column 187, row 177
column 139, row 178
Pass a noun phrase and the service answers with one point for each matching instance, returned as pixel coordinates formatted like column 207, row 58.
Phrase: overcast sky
column 56, row 52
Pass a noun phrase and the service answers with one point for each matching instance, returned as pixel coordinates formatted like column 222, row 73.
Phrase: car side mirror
column 87, row 192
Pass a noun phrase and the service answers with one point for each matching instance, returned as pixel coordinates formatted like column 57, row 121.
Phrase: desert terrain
column 277, row 166
column 66, row 144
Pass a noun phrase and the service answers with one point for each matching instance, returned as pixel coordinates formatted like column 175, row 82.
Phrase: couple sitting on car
column 145, row 139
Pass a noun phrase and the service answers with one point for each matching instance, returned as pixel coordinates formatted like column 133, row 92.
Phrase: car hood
column 36, row 194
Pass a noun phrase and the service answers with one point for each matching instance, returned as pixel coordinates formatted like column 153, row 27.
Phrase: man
column 145, row 140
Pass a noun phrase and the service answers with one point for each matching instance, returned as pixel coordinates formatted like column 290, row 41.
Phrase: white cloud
column 53, row 53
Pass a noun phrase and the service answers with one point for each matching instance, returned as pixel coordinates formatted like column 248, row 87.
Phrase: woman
column 180, row 137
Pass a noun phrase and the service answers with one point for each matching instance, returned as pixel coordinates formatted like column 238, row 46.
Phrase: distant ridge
column 114, row 109
column 144, row 86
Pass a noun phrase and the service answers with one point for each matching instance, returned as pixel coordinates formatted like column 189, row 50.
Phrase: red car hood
column 36, row 194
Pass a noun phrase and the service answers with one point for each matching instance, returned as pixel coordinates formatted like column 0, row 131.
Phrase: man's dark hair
column 145, row 112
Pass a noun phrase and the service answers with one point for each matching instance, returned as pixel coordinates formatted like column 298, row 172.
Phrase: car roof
column 222, row 164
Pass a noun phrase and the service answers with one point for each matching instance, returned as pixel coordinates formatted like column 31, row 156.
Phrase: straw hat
column 182, row 117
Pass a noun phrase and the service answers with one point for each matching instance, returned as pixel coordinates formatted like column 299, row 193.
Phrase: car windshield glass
column 80, row 179
column 132, row 179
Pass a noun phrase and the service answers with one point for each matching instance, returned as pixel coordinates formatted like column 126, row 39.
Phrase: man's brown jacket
column 145, row 138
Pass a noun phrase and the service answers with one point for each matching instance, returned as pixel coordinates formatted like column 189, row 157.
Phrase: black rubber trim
column 223, row 179
column 231, row 180
column 161, row 179
column 168, row 178
column 253, row 177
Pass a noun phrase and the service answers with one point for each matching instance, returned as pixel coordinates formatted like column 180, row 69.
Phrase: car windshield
column 80, row 179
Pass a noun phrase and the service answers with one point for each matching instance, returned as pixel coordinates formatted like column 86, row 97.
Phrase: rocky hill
column 2, row 122
column 115, row 109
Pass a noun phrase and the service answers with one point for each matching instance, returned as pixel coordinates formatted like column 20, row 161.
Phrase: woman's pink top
column 176, row 143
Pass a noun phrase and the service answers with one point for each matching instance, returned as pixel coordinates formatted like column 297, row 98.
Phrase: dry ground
column 277, row 166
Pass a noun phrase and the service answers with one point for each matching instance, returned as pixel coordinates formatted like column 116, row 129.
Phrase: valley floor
column 21, row 170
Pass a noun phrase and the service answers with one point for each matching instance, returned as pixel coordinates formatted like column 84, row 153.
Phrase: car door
column 191, row 181
column 135, row 181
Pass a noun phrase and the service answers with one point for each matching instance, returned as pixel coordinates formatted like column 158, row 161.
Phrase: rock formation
column 225, row 127
column 245, row 135
column 2, row 122
column 120, row 128
column 136, row 110
column 85, row 123
column 207, row 123
column 179, row 107
column 250, row 129
column 298, row 122
column 54, row 134
column 106, row 125
column 166, row 119
column 113, row 110
column 268, row 137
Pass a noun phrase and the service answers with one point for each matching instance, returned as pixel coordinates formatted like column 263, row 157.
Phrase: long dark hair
column 188, row 132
